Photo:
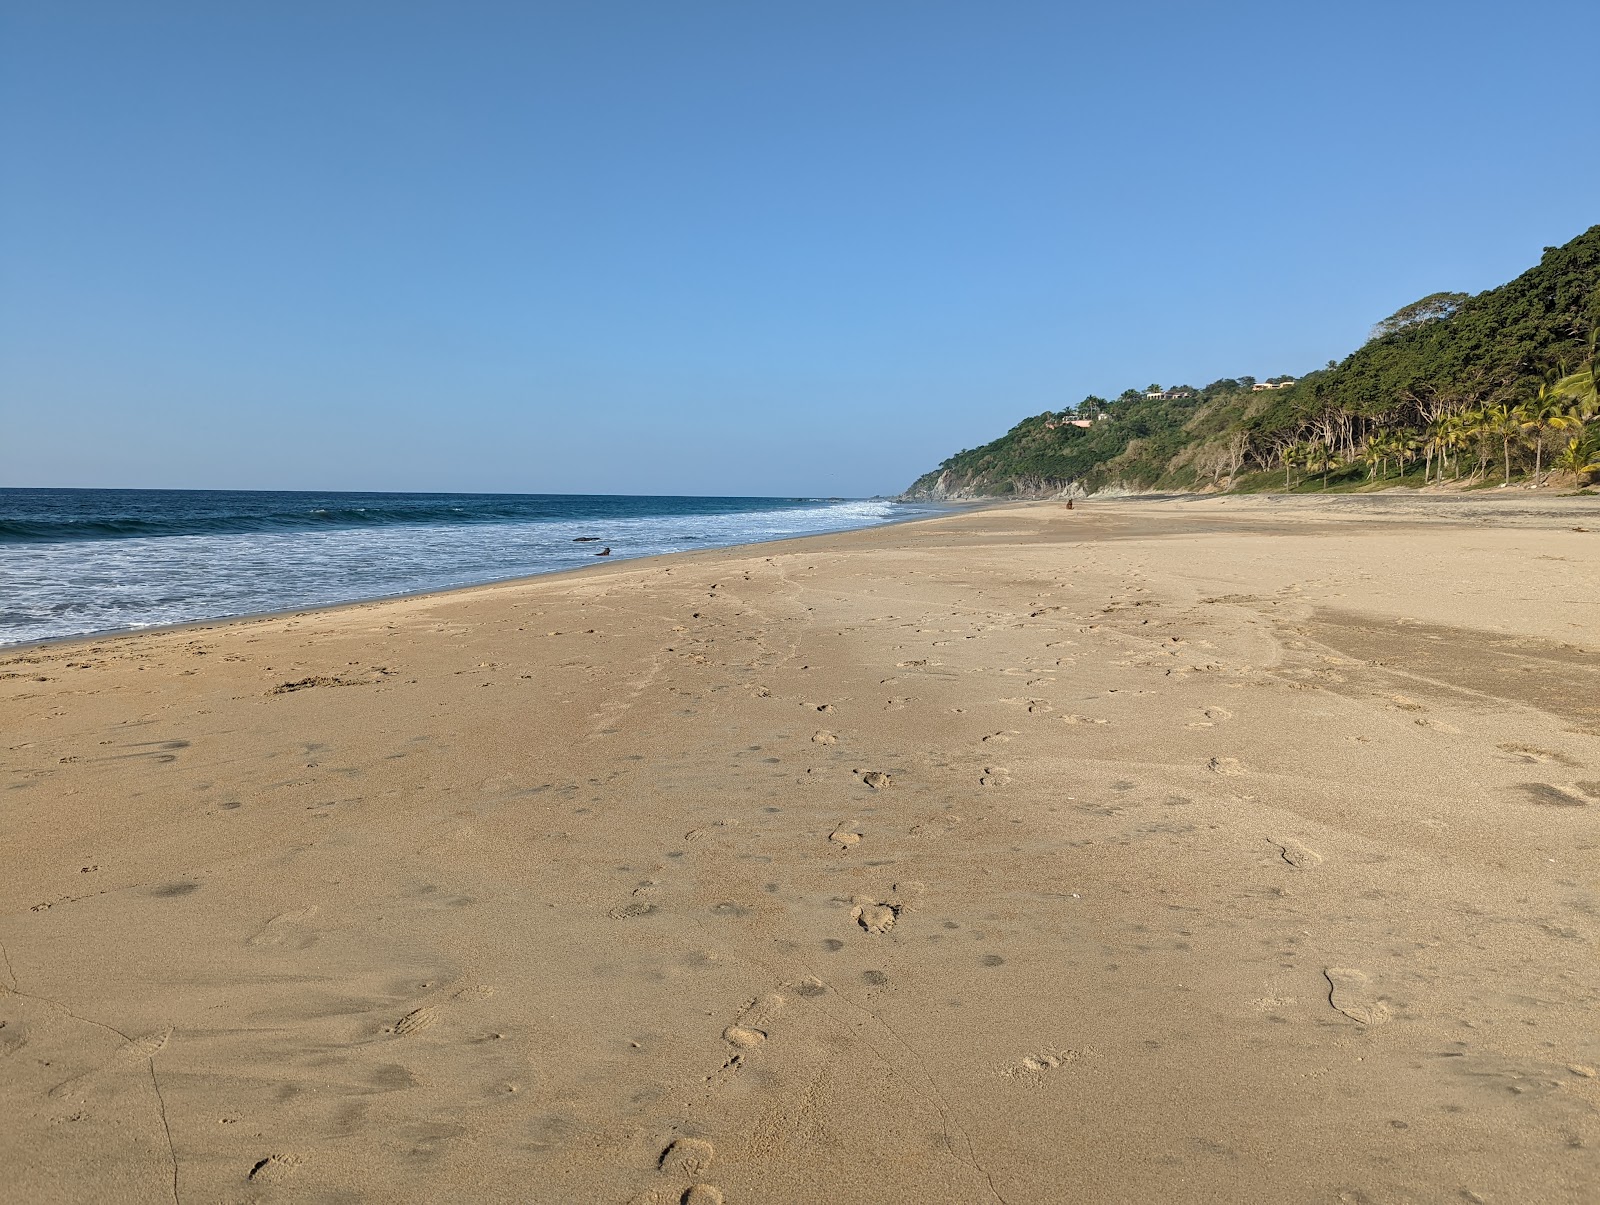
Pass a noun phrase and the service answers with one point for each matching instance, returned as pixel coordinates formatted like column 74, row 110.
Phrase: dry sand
column 1186, row 851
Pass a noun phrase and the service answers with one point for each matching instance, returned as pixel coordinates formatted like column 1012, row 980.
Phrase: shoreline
column 1305, row 502
column 253, row 616
column 1169, row 851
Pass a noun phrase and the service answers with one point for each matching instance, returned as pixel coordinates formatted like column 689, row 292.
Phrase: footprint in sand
column 416, row 1021
column 1034, row 1067
column 274, row 1169
column 1530, row 754
column 845, row 839
column 1081, row 719
column 907, row 894
column 935, row 826
column 146, row 1046
column 1350, row 992
column 761, row 1011
column 824, row 737
column 687, row 1157
column 873, row 916
column 631, row 911
column 876, row 779
column 998, row 738
column 1210, row 717
column 994, row 776
column 12, row 1039
column 747, row 1031
column 1299, row 856
column 135, row 1050
column 753, row 1023
column 1225, row 765
column 1526, row 754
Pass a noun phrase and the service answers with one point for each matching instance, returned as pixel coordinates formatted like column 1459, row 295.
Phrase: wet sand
column 1204, row 850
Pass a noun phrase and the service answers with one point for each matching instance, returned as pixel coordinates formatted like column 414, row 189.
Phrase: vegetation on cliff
column 1471, row 389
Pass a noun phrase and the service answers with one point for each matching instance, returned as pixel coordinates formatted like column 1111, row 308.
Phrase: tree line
column 1485, row 389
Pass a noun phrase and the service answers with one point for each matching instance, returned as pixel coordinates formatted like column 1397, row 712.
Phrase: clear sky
column 727, row 247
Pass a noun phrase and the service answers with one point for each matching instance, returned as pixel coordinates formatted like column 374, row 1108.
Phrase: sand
column 1201, row 850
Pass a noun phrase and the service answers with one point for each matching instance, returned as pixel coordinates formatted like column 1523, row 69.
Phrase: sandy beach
column 1193, row 850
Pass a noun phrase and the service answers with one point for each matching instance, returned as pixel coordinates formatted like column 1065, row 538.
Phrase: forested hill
column 1450, row 389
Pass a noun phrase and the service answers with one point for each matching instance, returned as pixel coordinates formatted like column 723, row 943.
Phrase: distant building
column 1283, row 384
column 1063, row 421
column 1169, row 395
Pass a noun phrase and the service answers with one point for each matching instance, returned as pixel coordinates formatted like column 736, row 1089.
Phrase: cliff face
column 942, row 486
column 945, row 485
column 1449, row 358
column 1167, row 444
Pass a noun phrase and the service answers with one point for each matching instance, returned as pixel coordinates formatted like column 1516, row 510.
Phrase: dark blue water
column 79, row 561
column 33, row 516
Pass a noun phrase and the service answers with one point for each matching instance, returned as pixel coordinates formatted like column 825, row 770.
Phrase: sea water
column 74, row 562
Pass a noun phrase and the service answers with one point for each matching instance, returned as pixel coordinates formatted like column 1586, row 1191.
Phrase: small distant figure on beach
column 606, row 551
column 1069, row 503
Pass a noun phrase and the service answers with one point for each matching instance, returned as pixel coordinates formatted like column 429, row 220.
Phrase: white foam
column 83, row 586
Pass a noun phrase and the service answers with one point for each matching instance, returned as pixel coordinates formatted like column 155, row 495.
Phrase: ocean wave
column 66, row 587
column 54, row 516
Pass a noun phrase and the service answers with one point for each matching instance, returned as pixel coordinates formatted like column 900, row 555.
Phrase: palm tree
column 1407, row 445
column 1480, row 434
column 1394, row 448
column 1583, row 389
column 1501, row 422
column 1295, row 454
column 1580, row 457
column 1434, row 436
column 1546, row 411
column 1583, row 386
column 1456, row 434
column 1376, row 453
column 1570, row 419
column 1319, row 458
column 1398, row 446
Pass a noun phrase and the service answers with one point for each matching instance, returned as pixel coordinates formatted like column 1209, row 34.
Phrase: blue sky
column 726, row 247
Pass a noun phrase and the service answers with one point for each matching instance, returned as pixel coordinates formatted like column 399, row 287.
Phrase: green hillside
column 1450, row 389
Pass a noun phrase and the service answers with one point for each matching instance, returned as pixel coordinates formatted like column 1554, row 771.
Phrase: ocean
column 76, row 562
